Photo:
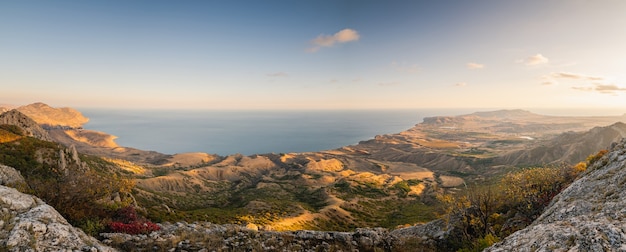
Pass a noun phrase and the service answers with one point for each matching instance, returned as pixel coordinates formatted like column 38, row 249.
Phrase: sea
column 251, row 132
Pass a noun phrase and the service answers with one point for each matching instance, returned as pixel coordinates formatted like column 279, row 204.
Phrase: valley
column 391, row 181
column 387, row 181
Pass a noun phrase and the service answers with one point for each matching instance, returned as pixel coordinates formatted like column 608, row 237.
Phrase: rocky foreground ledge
column 182, row 236
column 28, row 224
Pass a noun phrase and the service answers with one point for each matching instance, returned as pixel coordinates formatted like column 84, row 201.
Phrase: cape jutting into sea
column 254, row 132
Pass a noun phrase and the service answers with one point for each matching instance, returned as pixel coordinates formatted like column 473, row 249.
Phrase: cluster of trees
column 484, row 214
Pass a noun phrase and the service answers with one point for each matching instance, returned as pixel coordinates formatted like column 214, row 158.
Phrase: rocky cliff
column 587, row 216
column 30, row 127
column 28, row 224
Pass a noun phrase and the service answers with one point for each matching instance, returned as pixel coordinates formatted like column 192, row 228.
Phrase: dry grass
column 127, row 166
column 437, row 144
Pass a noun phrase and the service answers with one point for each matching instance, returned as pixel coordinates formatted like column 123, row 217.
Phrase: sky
column 318, row 54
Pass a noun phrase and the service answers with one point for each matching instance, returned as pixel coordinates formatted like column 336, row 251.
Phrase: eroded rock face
column 30, row 127
column 589, row 215
column 10, row 176
column 28, row 224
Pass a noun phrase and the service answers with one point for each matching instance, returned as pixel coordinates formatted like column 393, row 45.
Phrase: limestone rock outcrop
column 204, row 236
column 589, row 215
column 10, row 177
column 30, row 127
column 28, row 224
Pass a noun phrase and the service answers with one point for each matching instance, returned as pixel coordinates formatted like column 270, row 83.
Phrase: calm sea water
column 251, row 132
column 258, row 132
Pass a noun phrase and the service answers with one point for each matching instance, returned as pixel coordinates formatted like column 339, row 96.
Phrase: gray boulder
column 10, row 177
column 28, row 224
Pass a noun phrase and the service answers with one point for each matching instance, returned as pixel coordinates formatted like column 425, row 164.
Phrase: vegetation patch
column 484, row 214
column 81, row 194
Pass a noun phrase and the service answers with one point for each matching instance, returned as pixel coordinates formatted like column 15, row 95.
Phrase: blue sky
column 314, row 54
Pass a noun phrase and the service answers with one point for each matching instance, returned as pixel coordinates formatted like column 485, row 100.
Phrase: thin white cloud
column 323, row 40
column 608, row 88
column 602, row 88
column 460, row 84
column 474, row 65
column 534, row 60
column 548, row 80
column 278, row 74
column 564, row 75
column 551, row 79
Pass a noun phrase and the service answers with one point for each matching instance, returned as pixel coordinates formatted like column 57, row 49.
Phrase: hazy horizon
column 256, row 131
column 329, row 55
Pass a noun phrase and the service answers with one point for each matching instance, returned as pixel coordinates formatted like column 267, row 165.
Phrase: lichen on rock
column 28, row 224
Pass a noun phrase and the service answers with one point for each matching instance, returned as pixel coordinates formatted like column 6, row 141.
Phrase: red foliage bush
column 126, row 215
column 128, row 222
column 134, row 227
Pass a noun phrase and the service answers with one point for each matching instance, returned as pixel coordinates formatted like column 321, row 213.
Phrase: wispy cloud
column 474, row 65
column 589, row 89
column 549, row 82
column 460, row 84
column 551, row 79
column 602, row 88
column 564, row 75
column 324, row 40
column 401, row 67
column 278, row 74
column 608, row 88
column 534, row 60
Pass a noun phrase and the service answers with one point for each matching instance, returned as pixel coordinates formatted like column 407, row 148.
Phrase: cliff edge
column 587, row 216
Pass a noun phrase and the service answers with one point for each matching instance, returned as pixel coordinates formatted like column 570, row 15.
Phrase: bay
column 252, row 132
column 248, row 132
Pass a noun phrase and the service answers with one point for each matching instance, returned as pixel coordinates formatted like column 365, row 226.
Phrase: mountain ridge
column 54, row 117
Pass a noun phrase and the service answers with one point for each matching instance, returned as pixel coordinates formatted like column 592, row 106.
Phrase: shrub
column 593, row 158
column 530, row 191
column 126, row 215
column 134, row 227
column 127, row 221
column 12, row 129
